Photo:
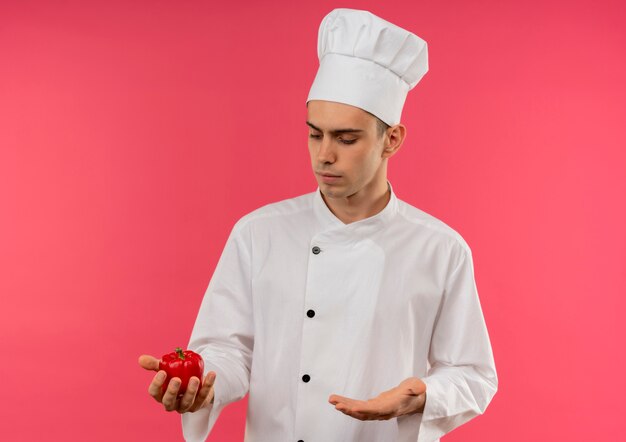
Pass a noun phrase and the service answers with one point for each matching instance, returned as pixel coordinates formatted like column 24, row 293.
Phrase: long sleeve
column 223, row 334
column 462, row 378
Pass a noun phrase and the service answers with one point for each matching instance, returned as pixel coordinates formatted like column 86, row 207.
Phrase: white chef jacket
column 302, row 306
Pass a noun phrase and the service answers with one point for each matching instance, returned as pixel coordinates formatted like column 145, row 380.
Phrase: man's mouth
column 326, row 174
column 328, row 178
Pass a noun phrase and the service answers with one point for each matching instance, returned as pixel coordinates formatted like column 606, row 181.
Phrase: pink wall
column 134, row 134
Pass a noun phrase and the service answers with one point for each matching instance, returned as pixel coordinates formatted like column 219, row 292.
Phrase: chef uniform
column 302, row 306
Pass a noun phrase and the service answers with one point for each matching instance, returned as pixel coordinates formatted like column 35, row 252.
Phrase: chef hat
column 367, row 62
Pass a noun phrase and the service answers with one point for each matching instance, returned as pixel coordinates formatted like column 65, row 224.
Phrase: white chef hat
column 367, row 62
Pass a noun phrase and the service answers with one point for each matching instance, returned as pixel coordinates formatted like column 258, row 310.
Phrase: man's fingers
column 205, row 393
column 171, row 395
column 194, row 396
column 343, row 404
column 149, row 362
column 351, row 410
column 363, row 410
column 190, row 394
column 335, row 399
column 357, row 412
column 155, row 388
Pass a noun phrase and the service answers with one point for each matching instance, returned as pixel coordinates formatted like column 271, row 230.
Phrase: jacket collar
column 365, row 227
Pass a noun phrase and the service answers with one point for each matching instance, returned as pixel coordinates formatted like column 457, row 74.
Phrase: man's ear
column 393, row 140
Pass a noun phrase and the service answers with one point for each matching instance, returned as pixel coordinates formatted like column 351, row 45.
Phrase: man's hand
column 407, row 398
column 190, row 401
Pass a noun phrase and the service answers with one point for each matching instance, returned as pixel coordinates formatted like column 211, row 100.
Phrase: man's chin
column 331, row 191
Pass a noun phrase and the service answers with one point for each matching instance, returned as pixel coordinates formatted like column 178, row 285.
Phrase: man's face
column 346, row 152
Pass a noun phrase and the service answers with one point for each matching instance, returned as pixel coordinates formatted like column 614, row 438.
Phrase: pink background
column 133, row 134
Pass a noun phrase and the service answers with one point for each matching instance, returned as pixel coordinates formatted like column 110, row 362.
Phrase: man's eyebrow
column 336, row 131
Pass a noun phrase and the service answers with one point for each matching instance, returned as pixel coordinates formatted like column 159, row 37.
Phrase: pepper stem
column 180, row 353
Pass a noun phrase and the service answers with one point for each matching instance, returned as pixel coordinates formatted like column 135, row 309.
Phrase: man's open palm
column 407, row 398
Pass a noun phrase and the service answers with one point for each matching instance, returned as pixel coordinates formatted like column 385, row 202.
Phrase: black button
column 310, row 313
column 316, row 250
column 306, row 378
column 300, row 440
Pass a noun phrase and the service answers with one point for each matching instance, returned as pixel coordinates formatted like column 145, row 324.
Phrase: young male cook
column 345, row 313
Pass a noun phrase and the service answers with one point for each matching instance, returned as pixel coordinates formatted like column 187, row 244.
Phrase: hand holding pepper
column 183, row 365
column 193, row 399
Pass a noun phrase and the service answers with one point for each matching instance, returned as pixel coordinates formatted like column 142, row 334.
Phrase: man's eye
column 313, row 136
column 347, row 141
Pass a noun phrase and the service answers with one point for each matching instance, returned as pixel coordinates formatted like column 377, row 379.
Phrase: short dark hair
column 381, row 126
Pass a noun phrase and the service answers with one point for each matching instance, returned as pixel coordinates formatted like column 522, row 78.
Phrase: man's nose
column 326, row 153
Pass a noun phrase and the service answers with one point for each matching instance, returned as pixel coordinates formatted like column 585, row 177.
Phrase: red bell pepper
column 183, row 365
